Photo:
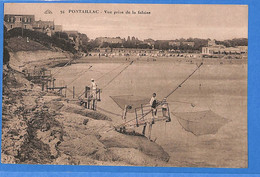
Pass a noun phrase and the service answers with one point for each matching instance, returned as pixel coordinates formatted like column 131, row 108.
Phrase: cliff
column 44, row 128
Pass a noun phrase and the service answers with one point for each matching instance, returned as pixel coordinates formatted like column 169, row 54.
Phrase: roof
column 19, row 15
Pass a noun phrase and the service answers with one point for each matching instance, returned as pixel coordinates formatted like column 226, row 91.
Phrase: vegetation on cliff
column 42, row 38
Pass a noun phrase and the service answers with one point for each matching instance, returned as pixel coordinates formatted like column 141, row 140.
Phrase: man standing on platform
column 153, row 103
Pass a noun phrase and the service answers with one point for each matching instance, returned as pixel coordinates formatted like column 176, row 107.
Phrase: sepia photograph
column 158, row 85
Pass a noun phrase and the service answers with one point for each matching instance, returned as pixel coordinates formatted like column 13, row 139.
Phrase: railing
column 142, row 112
column 89, row 94
column 38, row 74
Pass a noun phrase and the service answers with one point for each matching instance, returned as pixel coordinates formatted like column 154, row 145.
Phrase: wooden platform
column 146, row 121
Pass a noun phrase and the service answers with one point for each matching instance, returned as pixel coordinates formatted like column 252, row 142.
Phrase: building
column 191, row 44
column 28, row 22
column 111, row 52
column 57, row 28
column 243, row 49
column 44, row 27
column 217, row 50
column 19, row 21
column 214, row 49
column 134, row 52
column 72, row 33
column 149, row 41
column 178, row 44
column 211, row 43
column 131, row 52
column 110, row 40
column 174, row 43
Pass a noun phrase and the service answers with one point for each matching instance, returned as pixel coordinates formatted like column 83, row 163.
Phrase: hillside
column 25, row 54
column 16, row 44
column 43, row 128
column 45, row 40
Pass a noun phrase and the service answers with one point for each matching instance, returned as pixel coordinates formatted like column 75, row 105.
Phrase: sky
column 164, row 22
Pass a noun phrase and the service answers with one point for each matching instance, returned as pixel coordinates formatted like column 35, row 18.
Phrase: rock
column 45, row 127
column 7, row 159
column 54, row 105
column 118, row 140
column 85, row 146
column 135, row 157
column 63, row 160
column 85, row 121
column 76, row 109
column 53, row 148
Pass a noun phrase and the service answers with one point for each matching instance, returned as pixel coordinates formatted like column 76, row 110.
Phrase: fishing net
column 131, row 100
column 201, row 122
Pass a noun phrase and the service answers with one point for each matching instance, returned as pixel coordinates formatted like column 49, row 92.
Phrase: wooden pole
column 86, row 91
column 124, row 114
column 136, row 117
column 47, row 85
column 53, row 84
column 73, row 92
column 144, row 129
column 99, row 94
column 184, row 81
column 142, row 109
column 150, row 130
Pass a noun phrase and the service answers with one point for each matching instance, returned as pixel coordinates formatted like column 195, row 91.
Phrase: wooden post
column 88, row 105
column 50, row 84
column 42, row 86
column 136, row 117
column 99, row 94
column 124, row 114
column 142, row 110
column 47, row 86
column 86, row 91
column 93, row 104
column 169, row 114
column 144, row 129
column 73, row 92
column 150, row 130
column 53, row 84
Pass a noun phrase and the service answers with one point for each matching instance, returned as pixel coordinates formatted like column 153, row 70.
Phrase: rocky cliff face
column 29, row 59
column 45, row 128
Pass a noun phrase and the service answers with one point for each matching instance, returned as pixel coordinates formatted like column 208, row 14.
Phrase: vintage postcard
column 160, row 85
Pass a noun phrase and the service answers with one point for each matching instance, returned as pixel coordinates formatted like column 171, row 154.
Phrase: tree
column 6, row 57
column 84, row 38
column 6, row 54
column 105, row 44
column 61, row 35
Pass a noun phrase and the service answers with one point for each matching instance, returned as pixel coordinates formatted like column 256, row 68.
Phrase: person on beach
column 153, row 103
